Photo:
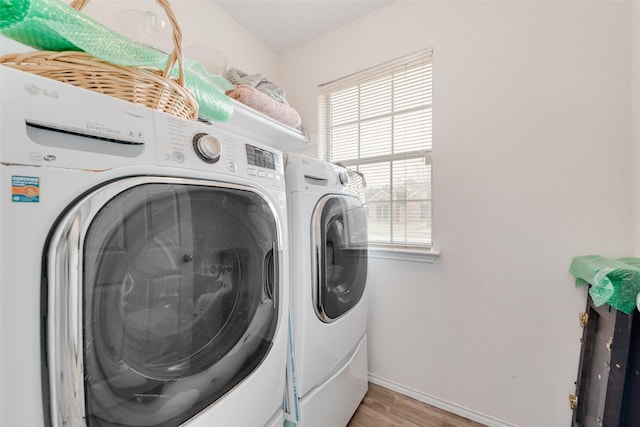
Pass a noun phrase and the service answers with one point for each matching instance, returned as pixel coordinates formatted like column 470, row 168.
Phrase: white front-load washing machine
column 328, row 229
column 143, row 265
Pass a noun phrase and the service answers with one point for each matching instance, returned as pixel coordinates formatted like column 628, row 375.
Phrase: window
column 379, row 122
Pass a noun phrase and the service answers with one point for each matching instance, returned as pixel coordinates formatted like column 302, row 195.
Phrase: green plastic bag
column 613, row 281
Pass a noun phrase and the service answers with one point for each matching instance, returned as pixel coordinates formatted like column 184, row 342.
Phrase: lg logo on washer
column 38, row 157
column 35, row 90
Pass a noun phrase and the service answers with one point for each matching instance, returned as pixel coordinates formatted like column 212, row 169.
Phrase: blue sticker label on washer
column 25, row 189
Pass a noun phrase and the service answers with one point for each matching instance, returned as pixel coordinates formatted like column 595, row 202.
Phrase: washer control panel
column 207, row 147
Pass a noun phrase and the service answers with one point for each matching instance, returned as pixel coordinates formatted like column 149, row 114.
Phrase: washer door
column 340, row 248
column 179, row 299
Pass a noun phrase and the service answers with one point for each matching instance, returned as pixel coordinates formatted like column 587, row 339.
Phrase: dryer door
column 176, row 302
column 340, row 247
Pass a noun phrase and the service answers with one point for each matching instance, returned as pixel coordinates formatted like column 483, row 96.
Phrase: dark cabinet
column 608, row 382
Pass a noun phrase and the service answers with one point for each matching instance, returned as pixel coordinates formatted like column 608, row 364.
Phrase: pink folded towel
column 262, row 102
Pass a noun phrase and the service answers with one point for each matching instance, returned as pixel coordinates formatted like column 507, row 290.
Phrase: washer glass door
column 340, row 245
column 179, row 300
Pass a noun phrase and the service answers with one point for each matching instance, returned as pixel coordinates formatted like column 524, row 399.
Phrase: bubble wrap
column 53, row 25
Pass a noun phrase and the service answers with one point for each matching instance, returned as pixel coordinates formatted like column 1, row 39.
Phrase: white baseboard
column 439, row 403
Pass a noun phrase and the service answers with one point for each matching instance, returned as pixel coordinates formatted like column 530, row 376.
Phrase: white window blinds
column 379, row 122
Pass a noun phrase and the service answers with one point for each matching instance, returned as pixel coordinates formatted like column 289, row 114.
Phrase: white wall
column 531, row 153
column 635, row 119
column 201, row 23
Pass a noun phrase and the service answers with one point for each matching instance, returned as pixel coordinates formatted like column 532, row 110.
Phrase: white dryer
column 143, row 265
column 329, row 255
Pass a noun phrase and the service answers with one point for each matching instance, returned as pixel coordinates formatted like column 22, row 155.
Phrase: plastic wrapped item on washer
column 55, row 26
column 613, row 281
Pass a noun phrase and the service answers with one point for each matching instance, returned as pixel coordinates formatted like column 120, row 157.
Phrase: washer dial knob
column 207, row 147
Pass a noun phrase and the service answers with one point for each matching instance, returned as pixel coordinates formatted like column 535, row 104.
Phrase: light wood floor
column 382, row 407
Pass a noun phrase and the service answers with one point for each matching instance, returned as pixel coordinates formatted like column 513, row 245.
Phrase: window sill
column 425, row 256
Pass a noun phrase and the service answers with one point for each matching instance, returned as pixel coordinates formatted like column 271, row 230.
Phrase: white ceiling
column 283, row 25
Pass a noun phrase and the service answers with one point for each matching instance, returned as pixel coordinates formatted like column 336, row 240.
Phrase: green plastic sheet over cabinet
column 613, row 281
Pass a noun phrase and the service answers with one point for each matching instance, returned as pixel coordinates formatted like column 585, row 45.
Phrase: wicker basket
column 148, row 86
